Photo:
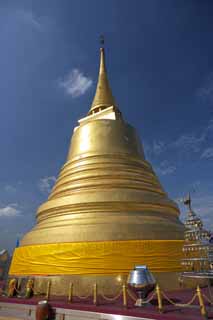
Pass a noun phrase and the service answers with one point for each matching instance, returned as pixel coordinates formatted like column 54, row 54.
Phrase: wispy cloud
column 202, row 202
column 158, row 147
column 11, row 210
column 210, row 126
column 203, row 205
column 193, row 188
column 10, row 188
column 206, row 90
column 207, row 153
column 189, row 142
column 165, row 168
column 29, row 18
column 155, row 148
column 185, row 144
column 45, row 184
column 19, row 234
column 75, row 83
column 192, row 141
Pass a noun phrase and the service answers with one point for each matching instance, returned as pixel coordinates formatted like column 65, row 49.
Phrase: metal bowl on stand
column 142, row 282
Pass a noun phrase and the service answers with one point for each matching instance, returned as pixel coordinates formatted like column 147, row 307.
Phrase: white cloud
column 10, row 188
column 147, row 149
column 10, row 210
column 184, row 144
column 45, row 184
column 19, row 234
column 207, row 153
column 29, row 18
column 158, row 147
column 203, row 205
column 195, row 186
column 195, row 143
column 206, row 90
column 75, row 83
column 179, row 200
column 189, row 142
column 165, row 168
column 210, row 126
column 155, row 148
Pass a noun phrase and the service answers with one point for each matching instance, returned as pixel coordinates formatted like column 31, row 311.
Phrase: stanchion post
column 159, row 296
column 124, row 295
column 48, row 290
column 19, row 284
column 201, row 303
column 95, row 294
column 70, row 292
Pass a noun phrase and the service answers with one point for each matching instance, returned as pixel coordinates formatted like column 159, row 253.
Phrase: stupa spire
column 187, row 201
column 103, row 96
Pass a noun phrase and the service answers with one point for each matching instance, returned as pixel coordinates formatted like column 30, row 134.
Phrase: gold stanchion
column 48, row 290
column 201, row 303
column 159, row 296
column 70, row 292
column 19, row 284
column 95, row 293
column 124, row 295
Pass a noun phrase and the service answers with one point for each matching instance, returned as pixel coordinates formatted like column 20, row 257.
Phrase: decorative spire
column 103, row 96
column 187, row 202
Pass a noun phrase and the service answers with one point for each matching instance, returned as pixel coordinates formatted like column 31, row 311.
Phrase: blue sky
column 160, row 66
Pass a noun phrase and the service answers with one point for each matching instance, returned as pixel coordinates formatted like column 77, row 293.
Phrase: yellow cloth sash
column 104, row 257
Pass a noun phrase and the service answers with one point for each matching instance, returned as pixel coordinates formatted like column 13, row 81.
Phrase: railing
column 95, row 293
column 125, row 292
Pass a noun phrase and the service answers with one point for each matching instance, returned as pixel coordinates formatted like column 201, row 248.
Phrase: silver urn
column 142, row 282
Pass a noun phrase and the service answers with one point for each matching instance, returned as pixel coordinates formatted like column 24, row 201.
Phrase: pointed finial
column 187, row 201
column 103, row 96
column 102, row 40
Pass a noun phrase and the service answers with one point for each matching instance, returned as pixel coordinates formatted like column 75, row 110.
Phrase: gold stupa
column 107, row 211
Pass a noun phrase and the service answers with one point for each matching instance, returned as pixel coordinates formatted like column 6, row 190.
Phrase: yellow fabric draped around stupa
column 107, row 257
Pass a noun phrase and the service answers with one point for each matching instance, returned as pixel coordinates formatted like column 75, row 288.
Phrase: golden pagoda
column 107, row 211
